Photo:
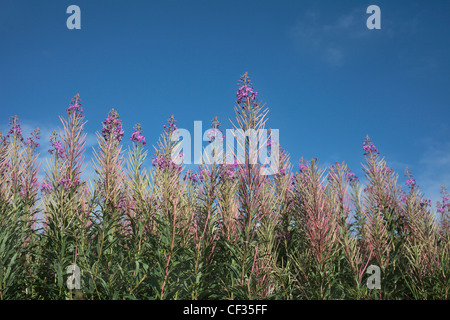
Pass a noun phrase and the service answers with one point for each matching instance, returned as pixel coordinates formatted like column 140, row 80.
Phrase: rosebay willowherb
column 221, row 231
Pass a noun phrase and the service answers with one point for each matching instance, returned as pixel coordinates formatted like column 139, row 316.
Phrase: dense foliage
column 223, row 232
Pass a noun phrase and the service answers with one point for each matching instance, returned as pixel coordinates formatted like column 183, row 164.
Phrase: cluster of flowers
column 31, row 141
column 302, row 167
column 387, row 169
column 162, row 162
column 215, row 131
column 350, row 176
column 171, row 126
column 444, row 204
column 203, row 173
column 56, row 146
column 46, row 187
column 369, row 147
column 404, row 198
column 137, row 136
column 112, row 127
column 245, row 91
column 425, row 203
column 15, row 130
column 191, row 176
column 75, row 106
column 411, row 182
column 228, row 171
column 65, row 183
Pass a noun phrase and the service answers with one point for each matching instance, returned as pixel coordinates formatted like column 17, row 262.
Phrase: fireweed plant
column 224, row 231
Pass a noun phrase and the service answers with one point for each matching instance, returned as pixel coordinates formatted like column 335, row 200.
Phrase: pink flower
column 137, row 136
column 369, row 147
column 46, row 188
column 244, row 92
column 302, row 167
column 112, row 127
column 56, row 146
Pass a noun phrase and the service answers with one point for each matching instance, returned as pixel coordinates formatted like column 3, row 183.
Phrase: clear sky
column 327, row 79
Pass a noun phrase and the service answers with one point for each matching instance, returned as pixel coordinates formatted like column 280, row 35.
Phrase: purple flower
column 66, row 183
column 387, row 170
column 425, row 203
column 112, row 127
column 191, row 176
column 369, row 147
column 31, row 140
column 45, row 187
column 56, row 145
column 245, row 91
column 162, row 162
column 215, row 131
column 203, row 173
column 137, row 136
column 411, row 182
column 15, row 130
column 302, row 167
column 75, row 106
column 350, row 176
column 227, row 174
column 171, row 124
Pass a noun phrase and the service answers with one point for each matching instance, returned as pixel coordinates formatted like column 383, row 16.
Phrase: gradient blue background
column 326, row 78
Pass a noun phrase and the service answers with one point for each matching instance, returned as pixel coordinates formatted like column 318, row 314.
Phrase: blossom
column 15, row 130
column 369, row 147
column 425, row 202
column 56, row 146
column 75, row 106
column 171, row 126
column 444, row 203
column 162, row 162
column 388, row 169
column 203, row 173
column 137, row 136
column 66, row 183
column 245, row 91
column 411, row 182
column 302, row 167
column 31, row 140
column 112, row 127
column 45, row 187
column 192, row 176
column 350, row 176
column 215, row 131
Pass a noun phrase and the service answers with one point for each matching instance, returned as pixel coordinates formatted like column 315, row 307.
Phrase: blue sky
column 327, row 79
